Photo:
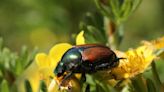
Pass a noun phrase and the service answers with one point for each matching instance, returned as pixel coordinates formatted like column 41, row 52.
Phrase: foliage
column 12, row 65
column 103, row 27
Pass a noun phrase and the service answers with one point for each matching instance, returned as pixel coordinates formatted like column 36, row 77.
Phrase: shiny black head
column 70, row 60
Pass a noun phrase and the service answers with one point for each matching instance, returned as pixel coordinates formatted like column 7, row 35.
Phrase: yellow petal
column 31, row 74
column 45, row 74
column 53, row 87
column 80, row 38
column 42, row 60
column 156, row 44
column 159, row 43
column 57, row 52
column 136, row 62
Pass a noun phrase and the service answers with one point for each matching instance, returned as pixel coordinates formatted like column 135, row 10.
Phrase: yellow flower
column 31, row 74
column 157, row 44
column 47, row 63
column 80, row 38
column 43, row 67
column 137, row 60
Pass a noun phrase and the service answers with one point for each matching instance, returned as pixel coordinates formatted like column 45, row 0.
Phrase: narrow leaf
column 43, row 87
column 4, row 86
column 28, row 86
column 138, row 84
column 150, row 86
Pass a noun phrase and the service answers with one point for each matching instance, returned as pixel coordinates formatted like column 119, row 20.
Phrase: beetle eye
column 59, row 74
column 59, row 70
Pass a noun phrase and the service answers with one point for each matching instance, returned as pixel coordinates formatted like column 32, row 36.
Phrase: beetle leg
column 87, row 88
column 83, row 77
column 66, row 77
column 102, row 66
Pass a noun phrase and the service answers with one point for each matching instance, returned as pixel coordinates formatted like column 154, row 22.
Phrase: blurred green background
column 43, row 23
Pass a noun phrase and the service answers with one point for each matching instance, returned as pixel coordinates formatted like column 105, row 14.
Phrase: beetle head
column 60, row 69
column 70, row 60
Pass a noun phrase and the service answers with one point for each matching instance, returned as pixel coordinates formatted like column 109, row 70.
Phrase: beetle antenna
column 121, row 58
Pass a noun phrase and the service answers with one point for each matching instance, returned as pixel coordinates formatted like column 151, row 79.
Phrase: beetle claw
column 87, row 88
column 83, row 78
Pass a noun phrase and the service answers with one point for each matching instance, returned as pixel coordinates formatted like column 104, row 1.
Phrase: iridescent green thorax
column 70, row 59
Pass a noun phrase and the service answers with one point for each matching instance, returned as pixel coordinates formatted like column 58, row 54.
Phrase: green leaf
column 105, row 10
column 136, row 3
column 14, row 88
column 127, row 10
column 156, row 76
column 1, row 43
column 138, row 84
column 150, row 86
column 94, row 19
column 43, row 87
column 160, row 53
column 104, row 86
column 27, row 86
column 99, row 88
column 24, row 56
column 24, row 60
column 31, row 57
column 18, row 68
column 98, row 36
column 117, row 10
column 4, row 86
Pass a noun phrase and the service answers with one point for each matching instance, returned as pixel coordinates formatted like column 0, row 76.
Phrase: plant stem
column 156, row 77
column 138, row 84
column 155, row 74
column 114, row 32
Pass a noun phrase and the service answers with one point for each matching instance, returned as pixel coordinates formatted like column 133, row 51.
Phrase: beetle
column 85, row 59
